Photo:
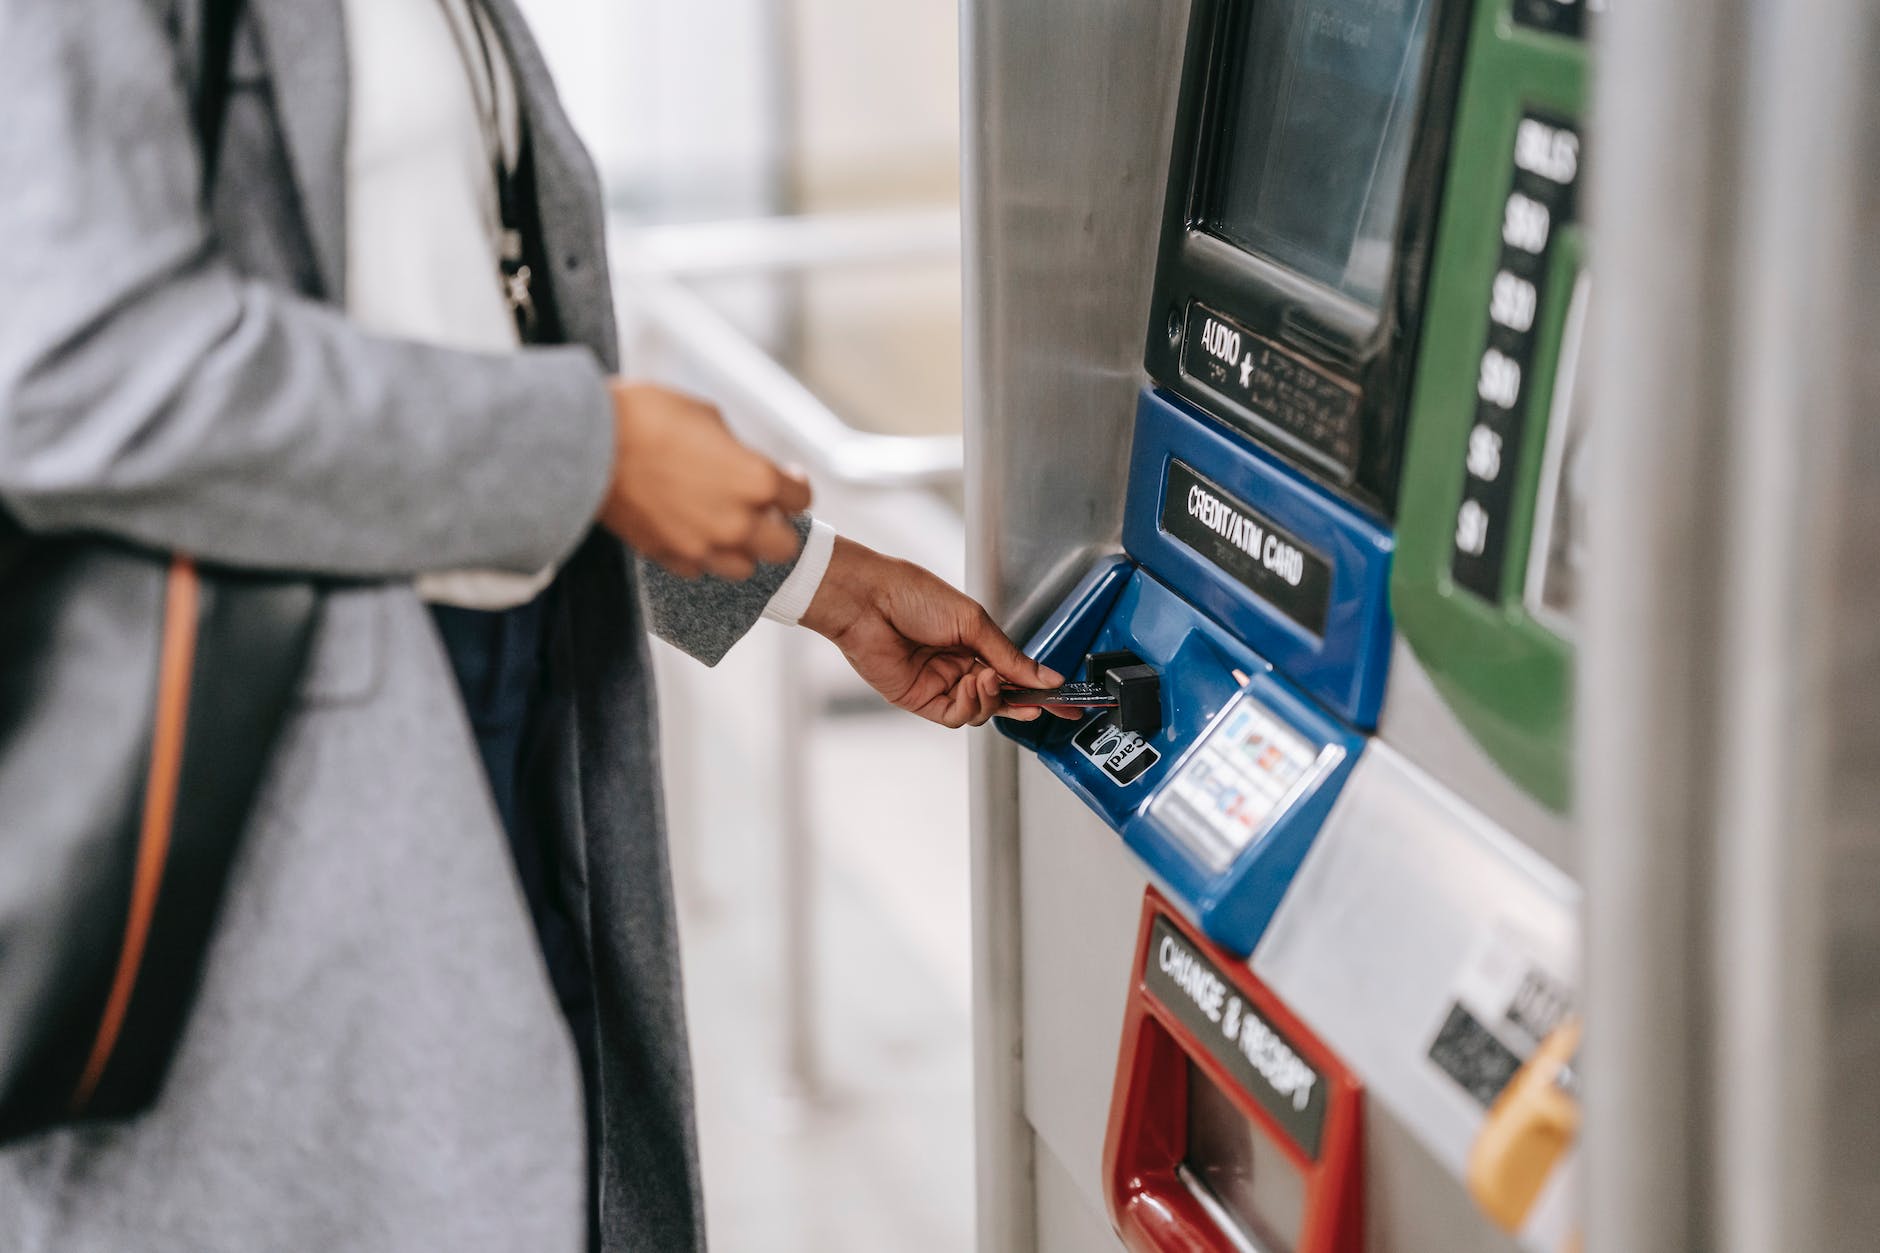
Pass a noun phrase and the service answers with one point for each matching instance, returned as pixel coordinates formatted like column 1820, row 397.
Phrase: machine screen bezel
column 1344, row 338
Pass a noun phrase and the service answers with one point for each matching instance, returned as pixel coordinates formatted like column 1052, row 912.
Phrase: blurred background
column 783, row 177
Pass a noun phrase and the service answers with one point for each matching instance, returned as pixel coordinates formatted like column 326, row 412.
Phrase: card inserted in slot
column 1070, row 696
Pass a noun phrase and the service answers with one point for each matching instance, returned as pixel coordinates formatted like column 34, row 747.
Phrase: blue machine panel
column 1296, row 573
column 1224, row 800
column 1261, row 602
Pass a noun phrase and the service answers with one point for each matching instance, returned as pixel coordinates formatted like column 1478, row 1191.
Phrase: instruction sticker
column 1509, row 996
column 1123, row 755
column 1247, row 771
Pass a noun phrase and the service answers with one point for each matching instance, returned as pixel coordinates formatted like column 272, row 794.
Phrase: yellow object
column 1527, row 1131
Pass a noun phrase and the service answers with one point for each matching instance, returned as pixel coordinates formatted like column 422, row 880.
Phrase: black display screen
column 1312, row 136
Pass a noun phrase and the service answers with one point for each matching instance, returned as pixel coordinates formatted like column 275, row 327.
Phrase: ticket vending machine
column 1273, row 312
column 1256, row 535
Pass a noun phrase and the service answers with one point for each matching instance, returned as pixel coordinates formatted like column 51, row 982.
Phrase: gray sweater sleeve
column 149, row 391
column 705, row 617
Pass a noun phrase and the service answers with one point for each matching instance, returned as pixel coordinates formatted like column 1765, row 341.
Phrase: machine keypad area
column 1540, row 201
column 1313, row 406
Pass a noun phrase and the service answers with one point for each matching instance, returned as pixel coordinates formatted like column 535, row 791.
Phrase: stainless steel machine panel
column 1083, row 894
column 1067, row 109
column 1436, row 950
column 1418, row 723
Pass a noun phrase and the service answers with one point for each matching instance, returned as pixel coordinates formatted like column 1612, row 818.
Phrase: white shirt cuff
column 790, row 601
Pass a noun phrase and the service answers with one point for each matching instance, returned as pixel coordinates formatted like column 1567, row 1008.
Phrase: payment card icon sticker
column 1123, row 755
column 1248, row 769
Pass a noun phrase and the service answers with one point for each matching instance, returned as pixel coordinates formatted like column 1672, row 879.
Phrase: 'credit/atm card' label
column 1281, row 386
column 1255, row 1052
column 1248, row 545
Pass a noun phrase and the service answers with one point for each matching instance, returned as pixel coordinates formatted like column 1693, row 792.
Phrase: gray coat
column 376, row 1061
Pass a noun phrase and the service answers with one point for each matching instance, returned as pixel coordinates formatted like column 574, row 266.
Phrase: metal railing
column 653, row 265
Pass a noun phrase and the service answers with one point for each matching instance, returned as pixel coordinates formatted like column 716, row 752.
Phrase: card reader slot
column 1134, row 685
column 1175, row 671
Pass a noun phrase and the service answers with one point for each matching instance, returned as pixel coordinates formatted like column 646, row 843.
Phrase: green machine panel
column 1483, row 589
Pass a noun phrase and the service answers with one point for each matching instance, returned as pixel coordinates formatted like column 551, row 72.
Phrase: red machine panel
column 1231, row 1127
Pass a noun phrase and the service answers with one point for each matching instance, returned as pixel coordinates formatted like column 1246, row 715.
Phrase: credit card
column 1070, row 696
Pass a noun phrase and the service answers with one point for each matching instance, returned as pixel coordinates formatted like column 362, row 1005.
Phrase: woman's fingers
column 773, row 538
column 793, row 491
column 731, row 566
column 984, row 637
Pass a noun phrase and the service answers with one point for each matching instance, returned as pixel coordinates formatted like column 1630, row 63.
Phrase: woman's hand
column 688, row 495
column 926, row 647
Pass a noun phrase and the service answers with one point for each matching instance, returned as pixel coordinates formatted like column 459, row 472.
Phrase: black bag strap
column 218, row 43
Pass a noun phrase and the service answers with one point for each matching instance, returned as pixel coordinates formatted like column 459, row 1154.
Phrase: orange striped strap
column 176, row 666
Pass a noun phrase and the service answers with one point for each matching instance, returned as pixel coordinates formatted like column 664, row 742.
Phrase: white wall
column 674, row 100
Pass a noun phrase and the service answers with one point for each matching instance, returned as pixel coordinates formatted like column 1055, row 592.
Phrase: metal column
column 1729, row 550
